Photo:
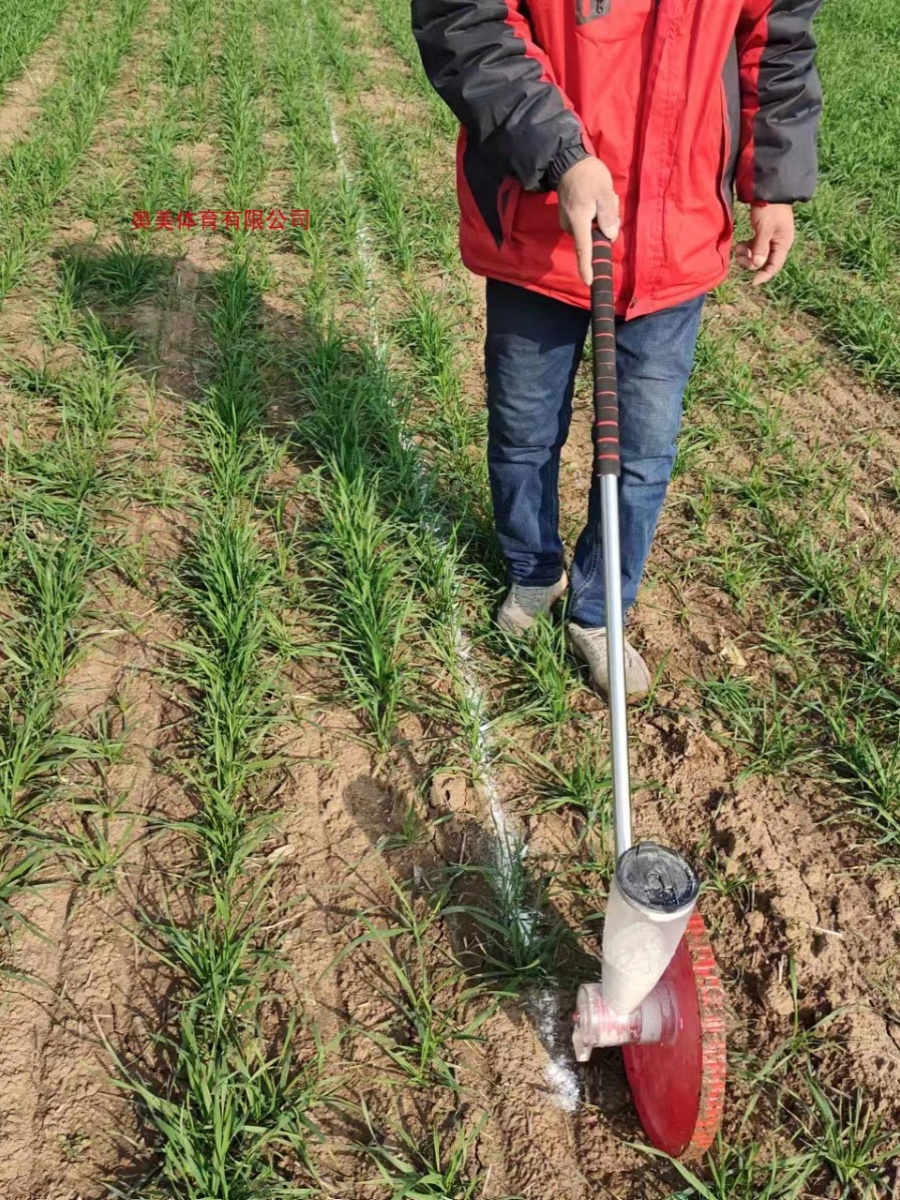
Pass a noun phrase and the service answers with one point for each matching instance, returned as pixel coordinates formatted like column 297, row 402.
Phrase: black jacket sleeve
column 482, row 59
column 781, row 101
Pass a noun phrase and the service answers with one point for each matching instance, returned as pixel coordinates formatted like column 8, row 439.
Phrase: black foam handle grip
column 603, row 332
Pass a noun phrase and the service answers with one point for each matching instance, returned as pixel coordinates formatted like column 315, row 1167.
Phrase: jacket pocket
column 508, row 196
column 494, row 197
column 605, row 22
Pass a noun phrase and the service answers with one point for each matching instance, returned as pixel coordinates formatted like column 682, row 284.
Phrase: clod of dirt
column 777, row 997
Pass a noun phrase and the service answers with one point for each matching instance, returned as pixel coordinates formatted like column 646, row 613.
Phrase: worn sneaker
column 589, row 645
column 523, row 604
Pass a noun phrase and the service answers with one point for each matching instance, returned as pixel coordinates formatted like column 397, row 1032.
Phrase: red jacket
column 682, row 99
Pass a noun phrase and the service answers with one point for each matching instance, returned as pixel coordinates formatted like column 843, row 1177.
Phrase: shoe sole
column 630, row 697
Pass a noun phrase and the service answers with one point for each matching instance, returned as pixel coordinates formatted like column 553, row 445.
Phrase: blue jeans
column 532, row 351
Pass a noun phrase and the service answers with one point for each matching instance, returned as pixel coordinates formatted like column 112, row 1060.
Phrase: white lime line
column 509, row 845
column 560, row 1073
column 363, row 237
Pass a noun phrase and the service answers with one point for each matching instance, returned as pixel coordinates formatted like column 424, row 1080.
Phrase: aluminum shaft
column 615, row 640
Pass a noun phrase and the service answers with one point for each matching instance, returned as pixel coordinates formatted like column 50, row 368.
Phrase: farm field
column 301, row 861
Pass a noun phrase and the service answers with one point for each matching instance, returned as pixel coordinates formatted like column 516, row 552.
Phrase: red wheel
column 679, row 1087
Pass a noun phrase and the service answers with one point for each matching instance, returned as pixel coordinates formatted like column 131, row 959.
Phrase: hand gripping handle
column 603, row 331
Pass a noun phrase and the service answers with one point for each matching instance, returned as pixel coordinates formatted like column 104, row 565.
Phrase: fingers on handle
column 608, row 215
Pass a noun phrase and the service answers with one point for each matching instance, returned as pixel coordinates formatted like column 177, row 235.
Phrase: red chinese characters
column 254, row 220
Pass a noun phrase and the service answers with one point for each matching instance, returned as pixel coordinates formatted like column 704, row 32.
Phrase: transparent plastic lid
column 656, row 879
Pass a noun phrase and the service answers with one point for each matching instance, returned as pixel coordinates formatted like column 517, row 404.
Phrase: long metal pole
column 607, row 467
column 615, row 643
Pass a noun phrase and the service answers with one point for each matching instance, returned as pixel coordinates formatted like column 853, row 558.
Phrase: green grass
column 746, row 1173
column 227, row 1103
column 67, row 475
column 387, row 547
column 411, row 503
column 850, row 1142
column 424, row 984
column 23, row 26
column 228, row 595
column 236, row 1101
column 579, row 782
column 410, row 1170
column 775, row 541
column 837, row 1148
column 20, row 871
column 368, row 598
column 548, row 679
column 845, row 269
column 58, row 493
column 35, row 171
column 241, row 1111
column 186, row 71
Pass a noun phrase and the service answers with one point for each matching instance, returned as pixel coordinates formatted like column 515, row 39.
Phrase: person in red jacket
column 645, row 116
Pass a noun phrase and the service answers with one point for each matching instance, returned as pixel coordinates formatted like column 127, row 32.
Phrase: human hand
column 773, row 235
column 587, row 194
